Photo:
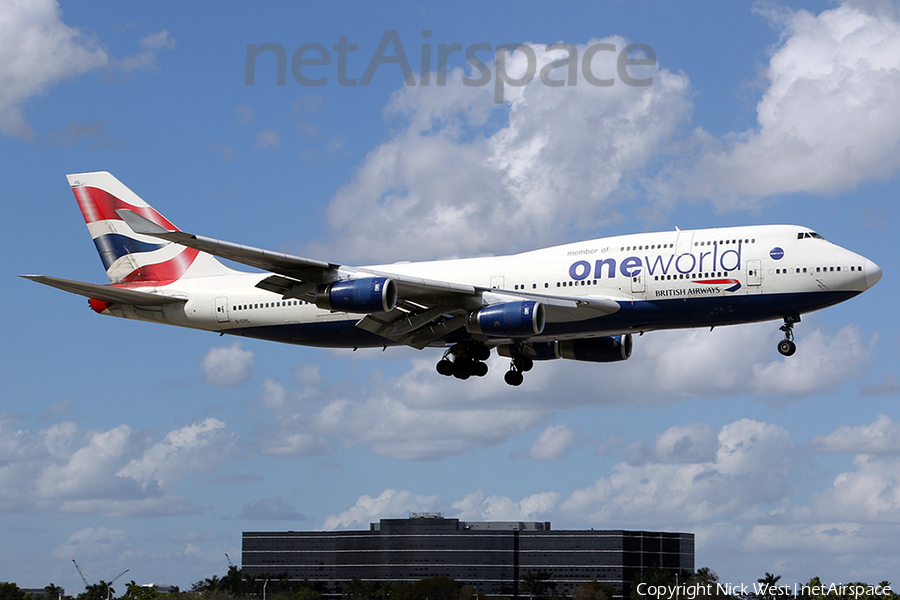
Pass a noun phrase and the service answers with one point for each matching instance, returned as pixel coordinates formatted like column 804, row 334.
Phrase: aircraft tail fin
column 128, row 256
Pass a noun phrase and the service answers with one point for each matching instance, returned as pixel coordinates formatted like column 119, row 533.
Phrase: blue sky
column 130, row 445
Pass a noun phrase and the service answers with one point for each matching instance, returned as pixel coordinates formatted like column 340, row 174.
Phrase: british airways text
column 632, row 266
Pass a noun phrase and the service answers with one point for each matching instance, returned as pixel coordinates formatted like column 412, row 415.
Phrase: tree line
column 653, row 584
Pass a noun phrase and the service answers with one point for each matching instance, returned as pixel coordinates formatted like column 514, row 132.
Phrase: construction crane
column 83, row 578
column 88, row 584
column 114, row 579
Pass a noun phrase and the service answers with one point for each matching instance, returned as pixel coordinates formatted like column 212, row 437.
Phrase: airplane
column 579, row 301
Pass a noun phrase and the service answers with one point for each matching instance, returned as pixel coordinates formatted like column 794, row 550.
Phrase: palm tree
column 53, row 591
column 768, row 585
column 533, row 583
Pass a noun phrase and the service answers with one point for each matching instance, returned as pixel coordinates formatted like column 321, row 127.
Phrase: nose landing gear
column 787, row 347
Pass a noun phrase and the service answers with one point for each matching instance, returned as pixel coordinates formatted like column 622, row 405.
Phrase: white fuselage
column 664, row 280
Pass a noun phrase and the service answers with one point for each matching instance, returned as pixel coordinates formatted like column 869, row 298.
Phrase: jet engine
column 509, row 319
column 612, row 348
column 368, row 295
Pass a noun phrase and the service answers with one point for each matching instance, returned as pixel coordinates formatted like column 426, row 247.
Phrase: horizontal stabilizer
column 106, row 293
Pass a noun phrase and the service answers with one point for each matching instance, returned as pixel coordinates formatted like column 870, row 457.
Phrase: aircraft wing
column 427, row 308
column 106, row 293
column 305, row 269
column 295, row 267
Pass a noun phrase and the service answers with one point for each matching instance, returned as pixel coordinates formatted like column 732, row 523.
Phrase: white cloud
column 197, row 448
column 871, row 494
column 697, row 442
column 271, row 509
column 90, row 471
column 150, row 44
column 268, row 138
column 478, row 506
column 117, row 472
column 447, row 184
column 96, row 544
column 226, row 366
column 752, row 465
column 827, row 120
column 307, row 374
column 36, row 50
column 421, row 415
column 389, row 504
column 225, row 152
column 553, row 442
column 741, row 359
column 882, row 436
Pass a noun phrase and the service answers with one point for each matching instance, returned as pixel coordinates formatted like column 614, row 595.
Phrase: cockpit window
column 809, row 234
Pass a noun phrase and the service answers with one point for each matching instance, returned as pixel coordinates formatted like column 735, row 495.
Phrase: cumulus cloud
column 116, row 472
column 738, row 360
column 731, row 486
column 827, row 120
column 228, row 365
column 193, row 449
column 450, row 183
column 271, row 509
column 418, row 415
column 882, row 436
column 553, row 442
column 37, row 49
column 151, row 44
column 389, row 504
column 478, row 506
column 421, row 416
column 96, row 544
column 749, row 464
column 753, row 464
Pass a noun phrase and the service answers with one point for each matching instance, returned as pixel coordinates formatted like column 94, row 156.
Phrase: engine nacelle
column 368, row 295
column 510, row 319
column 612, row 348
column 534, row 351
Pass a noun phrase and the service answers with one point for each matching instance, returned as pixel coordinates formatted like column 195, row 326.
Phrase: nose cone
column 873, row 273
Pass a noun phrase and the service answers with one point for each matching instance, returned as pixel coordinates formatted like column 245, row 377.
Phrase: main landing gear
column 518, row 365
column 787, row 347
column 465, row 360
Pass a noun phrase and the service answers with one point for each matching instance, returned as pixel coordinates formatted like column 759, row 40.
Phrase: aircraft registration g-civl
column 580, row 301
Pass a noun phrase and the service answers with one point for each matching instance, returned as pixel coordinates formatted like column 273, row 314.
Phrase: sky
column 139, row 446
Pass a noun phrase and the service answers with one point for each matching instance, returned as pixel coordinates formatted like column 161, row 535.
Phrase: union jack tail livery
column 130, row 257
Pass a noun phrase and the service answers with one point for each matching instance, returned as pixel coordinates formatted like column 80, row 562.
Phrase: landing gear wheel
column 787, row 347
column 523, row 363
column 445, row 367
column 463, row 368
column 480, row 370
column 513, row 378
